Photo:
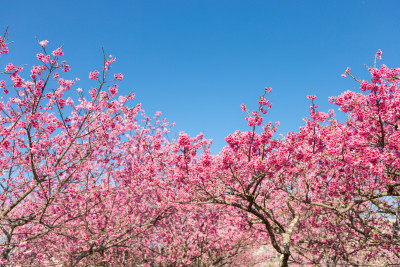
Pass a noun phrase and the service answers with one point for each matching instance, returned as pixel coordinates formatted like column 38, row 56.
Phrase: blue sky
column 197, row 61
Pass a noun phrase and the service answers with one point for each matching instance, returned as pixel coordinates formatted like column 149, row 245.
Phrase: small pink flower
column 263, row 102
column 23, row 103
column 61, row 102
column 58, row 52
column 114, row 89
column 93, row 75
column 10, row 67
column 6, row 144
column 66, row 68
column 3, row 47
column 93, row 92
column 119, row 77
column 344, row 75
column 251, row 121
column 46, row 59
column 43, row 43
column 70, row 101
column 40, row 56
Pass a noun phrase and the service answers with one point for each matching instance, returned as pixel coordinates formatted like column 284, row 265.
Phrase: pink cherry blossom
column 58, row 52
column 119, row 77
column 93, row 75
column 89, row 179
column 43, row 43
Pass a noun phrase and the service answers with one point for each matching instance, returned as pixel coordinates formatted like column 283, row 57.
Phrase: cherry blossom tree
column 62, row 164
column 329, row 177
column 87, row 179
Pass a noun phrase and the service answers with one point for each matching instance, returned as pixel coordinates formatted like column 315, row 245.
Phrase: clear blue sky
column 197, row 61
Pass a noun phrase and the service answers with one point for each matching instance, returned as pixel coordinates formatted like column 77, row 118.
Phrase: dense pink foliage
column 88, row 179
